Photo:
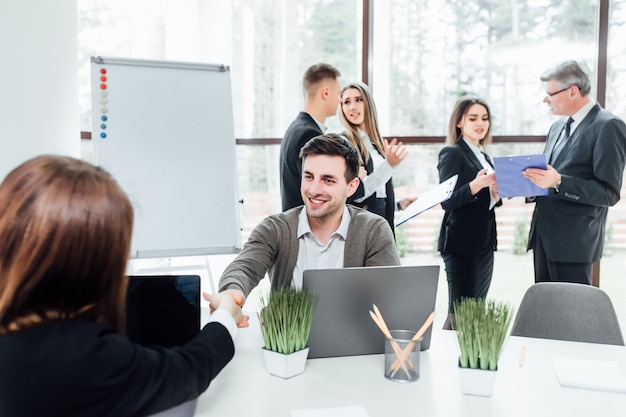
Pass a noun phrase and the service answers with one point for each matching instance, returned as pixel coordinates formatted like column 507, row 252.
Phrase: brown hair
column 460, row 109
column 315, row 74
column 65, row 231
column 335, row 145
column 370, row 121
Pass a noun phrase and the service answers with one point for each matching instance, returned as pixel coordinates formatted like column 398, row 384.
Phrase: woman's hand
column 404, row 203
column 483, row 179
column 395, row 152
column 228, row 300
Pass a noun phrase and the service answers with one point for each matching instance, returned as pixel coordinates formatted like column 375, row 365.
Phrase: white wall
column 38, row 80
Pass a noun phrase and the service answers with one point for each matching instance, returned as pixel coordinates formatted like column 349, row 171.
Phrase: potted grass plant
column 286, row 316
column 481, row 327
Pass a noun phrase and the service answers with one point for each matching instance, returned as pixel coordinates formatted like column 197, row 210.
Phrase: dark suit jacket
column 570, row 223
column 298, row 133
column 468, row 226
column 81, row 368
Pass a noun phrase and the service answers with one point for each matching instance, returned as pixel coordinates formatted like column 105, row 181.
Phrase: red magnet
column 103, row 78
column 103, row 71
column 103, row 86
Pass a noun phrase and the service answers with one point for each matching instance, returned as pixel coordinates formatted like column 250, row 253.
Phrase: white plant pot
column 477, row 381
column 285, row 365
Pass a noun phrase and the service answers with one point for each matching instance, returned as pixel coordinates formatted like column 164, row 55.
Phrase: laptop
column 164, row 310
column 342, row 326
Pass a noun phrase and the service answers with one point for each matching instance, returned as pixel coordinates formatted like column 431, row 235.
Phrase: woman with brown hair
column 65, row 234
column 467, row 238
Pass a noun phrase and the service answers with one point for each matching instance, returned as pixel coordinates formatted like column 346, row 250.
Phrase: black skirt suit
column 468, row 237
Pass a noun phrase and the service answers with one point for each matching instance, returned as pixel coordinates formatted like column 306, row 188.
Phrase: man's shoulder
column 302, row 124
column 361, row 216
column 606, row 116
column 285, row 217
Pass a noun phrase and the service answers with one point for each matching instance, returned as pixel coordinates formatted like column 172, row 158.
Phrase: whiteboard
column 165, row 131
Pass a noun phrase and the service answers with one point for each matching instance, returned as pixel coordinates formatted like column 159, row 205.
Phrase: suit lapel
column 553, row 137
column 576, row 135
column 470, row 154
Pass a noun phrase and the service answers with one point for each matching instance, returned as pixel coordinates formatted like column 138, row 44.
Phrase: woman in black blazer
column 467, row 238
column 65, row 233
column 379, row 158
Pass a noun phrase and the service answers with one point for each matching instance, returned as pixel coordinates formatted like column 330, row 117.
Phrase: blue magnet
column 103, row 126
column 103, row 135
column 104, row 118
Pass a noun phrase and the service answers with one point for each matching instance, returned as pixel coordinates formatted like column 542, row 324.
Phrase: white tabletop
column 244, row 388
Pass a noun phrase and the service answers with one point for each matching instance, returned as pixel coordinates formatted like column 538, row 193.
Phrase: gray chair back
column 566, row 311
column 186, row 409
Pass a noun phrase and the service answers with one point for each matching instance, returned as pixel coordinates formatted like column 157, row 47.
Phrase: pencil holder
column 402, row 360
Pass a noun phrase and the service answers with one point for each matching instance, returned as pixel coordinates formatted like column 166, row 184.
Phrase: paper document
column 590, row 374
column 357, row 411
column 511, row 182
column 437, row 195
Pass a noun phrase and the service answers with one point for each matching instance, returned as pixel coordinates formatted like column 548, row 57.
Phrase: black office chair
column 566, row 311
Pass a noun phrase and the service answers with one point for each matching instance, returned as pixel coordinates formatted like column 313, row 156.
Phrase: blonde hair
column 65, row 233
column 370, row 122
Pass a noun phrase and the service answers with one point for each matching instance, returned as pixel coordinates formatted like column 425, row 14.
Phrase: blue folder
column 511, row 182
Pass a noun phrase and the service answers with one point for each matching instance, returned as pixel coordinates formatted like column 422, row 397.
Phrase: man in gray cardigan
column 324, row 233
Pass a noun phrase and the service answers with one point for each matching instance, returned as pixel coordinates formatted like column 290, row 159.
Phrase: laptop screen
column 163, row 310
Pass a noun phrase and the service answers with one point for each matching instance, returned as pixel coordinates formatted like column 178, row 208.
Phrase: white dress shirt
column 479, row 153
column 382, row 172
column 312, row 254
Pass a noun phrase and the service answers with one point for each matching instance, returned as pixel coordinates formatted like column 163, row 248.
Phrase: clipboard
column 437, row 195
column 511, row 182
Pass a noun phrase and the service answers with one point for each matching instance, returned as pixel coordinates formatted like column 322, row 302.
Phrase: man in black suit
column 586, row 154
column 323, row 93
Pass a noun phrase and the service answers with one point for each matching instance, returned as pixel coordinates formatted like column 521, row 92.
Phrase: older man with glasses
column 586, row 153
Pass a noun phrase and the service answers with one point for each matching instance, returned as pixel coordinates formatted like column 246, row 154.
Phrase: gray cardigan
column 273, row 246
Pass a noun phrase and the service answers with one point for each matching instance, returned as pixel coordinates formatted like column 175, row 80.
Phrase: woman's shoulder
column 451, row 151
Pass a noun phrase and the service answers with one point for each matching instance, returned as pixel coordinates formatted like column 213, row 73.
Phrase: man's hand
column 543, row 178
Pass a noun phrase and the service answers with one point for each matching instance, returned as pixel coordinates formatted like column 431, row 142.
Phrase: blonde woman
column 379, row 158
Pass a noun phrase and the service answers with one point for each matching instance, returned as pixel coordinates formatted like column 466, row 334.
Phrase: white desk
column 245, row 389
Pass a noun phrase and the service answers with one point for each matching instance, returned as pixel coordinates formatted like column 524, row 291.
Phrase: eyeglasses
column 557, row 92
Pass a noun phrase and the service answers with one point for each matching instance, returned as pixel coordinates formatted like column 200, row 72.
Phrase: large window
column 427, row 54
column 616, row 62
column 423, row 56
column 268, row 45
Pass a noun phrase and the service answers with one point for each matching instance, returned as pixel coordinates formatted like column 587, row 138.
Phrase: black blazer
column 299, row 132
column 81, row 368
column 571, row 222
column 468, row 226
